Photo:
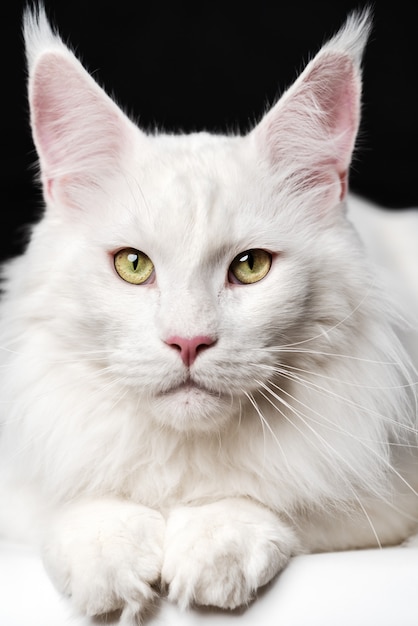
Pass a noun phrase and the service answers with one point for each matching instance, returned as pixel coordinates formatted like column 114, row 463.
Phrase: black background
column 216, row 66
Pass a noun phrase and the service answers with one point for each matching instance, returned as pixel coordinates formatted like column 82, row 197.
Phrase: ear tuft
column 39, row 35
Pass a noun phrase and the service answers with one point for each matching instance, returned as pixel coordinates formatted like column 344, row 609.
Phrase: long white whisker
column 345, row 480
column 328, row 392
column 358, row 385
column 303, row 417
column 336, row 355
column 265, row 425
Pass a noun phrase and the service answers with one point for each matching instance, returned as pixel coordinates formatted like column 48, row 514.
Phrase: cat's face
column 223, row 262
column 182, row 266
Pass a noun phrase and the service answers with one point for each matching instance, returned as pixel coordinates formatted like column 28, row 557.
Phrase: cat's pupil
column 133, row 258
column 249, row 259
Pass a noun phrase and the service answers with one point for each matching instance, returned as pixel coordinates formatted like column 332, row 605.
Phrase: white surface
column 359, row 588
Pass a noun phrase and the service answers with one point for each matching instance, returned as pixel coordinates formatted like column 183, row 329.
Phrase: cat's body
column 244, row 399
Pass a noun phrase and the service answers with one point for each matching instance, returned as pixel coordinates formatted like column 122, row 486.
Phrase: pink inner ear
column 335, row 89
column 312, row 129
column 77, row 128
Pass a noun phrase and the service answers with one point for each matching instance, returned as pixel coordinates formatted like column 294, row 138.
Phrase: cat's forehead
column 199, row 160
column 199, row 188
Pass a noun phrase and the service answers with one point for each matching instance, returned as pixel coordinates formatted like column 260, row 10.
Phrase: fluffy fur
column 294, row 428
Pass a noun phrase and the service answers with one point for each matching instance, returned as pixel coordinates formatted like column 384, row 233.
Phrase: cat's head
column 183, row 267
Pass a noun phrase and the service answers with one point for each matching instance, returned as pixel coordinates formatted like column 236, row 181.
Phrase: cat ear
column 309, row 134
column 79, row 132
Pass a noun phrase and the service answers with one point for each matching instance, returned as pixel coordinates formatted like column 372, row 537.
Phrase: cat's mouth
column 189, row 405
column 188, row 386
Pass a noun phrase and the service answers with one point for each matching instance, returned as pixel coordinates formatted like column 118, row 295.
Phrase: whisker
column 337, row 355
column 367, row 410
column 265, row 424
column 304, row 419
column 329, row 392
column 342, row 476
column 282, row 368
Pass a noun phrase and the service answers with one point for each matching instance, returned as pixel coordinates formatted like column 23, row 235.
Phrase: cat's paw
column 219, row 554
column 106, row 555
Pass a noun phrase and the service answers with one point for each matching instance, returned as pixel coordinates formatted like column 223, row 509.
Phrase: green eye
column 250, row 266
column 133, row 266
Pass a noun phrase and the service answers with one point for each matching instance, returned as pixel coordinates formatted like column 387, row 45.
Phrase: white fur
column 237, row 546
column 105, row 554
column 303, row 408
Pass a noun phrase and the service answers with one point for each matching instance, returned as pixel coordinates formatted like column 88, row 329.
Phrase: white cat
column 201, row 375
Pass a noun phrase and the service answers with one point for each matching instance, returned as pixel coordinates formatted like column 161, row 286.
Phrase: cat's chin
column 192, row 407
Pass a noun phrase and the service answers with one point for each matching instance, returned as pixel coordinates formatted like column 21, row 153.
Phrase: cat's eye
column 250, row 266
column 133, row 266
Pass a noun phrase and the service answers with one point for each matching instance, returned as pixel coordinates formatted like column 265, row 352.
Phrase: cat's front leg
column 219, row 554
column 105, row 554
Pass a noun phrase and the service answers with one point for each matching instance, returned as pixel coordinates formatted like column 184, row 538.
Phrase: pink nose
column 189, row 348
